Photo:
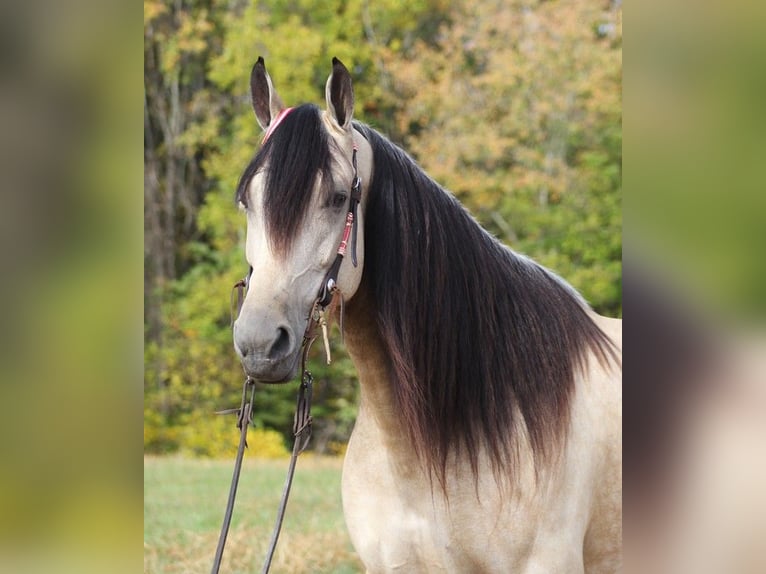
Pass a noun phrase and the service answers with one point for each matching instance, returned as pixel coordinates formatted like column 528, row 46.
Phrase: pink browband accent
column 346, row 233
column 280, row 116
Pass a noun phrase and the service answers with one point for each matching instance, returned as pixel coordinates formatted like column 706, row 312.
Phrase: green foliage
column 214, row 437
column 515, row 107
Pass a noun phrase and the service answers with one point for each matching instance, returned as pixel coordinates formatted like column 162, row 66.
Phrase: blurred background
column 694, row 280
column 70, row 293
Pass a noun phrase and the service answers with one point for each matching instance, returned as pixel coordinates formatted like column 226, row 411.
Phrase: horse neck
column 373, row 365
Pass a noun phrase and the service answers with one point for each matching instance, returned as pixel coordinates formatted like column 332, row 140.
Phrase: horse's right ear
column 266, row 102
column 340, row 95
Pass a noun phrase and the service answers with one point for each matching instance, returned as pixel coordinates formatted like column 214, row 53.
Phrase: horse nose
column 281, row 345
column 258, row 344
column 266, row 354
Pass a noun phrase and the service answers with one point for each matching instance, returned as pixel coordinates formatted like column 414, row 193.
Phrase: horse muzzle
column 268, row 354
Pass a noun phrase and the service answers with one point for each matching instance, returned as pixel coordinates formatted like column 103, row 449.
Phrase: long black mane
column 477, row 334
column 474, row 330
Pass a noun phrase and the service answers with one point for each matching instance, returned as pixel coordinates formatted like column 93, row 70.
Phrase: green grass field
column 184, row 502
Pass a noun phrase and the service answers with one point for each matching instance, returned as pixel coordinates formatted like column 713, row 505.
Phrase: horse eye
column 338, row 199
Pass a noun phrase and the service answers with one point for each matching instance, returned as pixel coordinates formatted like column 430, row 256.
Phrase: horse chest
column 394, row 524
column 398, row 523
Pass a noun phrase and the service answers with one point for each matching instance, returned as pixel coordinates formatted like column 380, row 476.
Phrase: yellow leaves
column 192, row 31
column 209, row 435
column 153, row 10
column 183, row 31
column 510, row 84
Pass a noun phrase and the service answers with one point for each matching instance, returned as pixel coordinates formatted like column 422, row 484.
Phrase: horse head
column 297, row 197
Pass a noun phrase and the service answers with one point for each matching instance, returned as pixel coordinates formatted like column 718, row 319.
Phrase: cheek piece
column 329, row 285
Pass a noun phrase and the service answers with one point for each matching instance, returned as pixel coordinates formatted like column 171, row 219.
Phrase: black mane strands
column 296, row 153
column 474, row 331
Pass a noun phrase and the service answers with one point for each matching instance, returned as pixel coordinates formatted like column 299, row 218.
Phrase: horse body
column 488, row 437
column 568, row 520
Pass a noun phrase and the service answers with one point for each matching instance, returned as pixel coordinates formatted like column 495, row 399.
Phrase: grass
column 184, row 502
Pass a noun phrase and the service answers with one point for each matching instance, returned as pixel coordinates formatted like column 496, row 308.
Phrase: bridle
column 331, row 279
column 302, row 421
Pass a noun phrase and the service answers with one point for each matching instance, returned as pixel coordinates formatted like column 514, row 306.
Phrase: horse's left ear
column 340, row 95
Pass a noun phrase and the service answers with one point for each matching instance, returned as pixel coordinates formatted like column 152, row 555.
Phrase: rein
column 302, row 420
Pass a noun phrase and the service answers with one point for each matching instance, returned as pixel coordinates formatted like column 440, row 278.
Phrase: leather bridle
column 302, row 422
column 331, row 279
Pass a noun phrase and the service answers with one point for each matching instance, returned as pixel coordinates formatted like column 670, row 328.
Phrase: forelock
column 293, row 156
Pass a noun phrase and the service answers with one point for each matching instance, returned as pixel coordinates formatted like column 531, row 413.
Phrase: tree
column 517, row 110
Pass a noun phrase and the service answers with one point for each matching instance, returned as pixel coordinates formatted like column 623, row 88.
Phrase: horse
column 488, row 436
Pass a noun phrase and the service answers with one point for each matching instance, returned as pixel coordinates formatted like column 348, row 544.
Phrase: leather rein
column 302, row 421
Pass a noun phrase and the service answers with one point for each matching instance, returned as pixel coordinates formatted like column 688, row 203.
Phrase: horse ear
column 340, row 95
column 266, row 102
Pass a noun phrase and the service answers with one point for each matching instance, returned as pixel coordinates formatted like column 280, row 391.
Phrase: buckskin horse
column 488, row 437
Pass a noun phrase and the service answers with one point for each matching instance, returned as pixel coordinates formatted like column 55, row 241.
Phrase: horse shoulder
column 601, row 417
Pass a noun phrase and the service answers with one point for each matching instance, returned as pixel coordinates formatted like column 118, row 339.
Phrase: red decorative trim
column 280, row 116
column 346, row 233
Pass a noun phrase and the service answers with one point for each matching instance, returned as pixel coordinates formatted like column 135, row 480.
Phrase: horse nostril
column 281, row 345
